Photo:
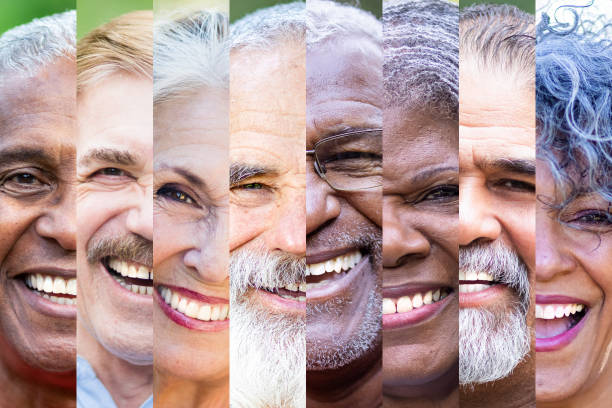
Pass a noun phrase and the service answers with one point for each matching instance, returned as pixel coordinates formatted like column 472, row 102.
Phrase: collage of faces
column 289, row 204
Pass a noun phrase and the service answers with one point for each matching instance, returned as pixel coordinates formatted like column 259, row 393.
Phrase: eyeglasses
column 350, row 161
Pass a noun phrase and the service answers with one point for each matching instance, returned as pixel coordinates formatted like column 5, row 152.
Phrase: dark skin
column 420, row 186
column 343, row 91
column 37, row 231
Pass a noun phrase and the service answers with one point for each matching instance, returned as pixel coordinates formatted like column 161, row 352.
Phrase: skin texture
column 496, row 120
column 115, row 333
column 190, row 245
column 421, row 185
column 37, row 230
column 574, row 260
column 344, row 90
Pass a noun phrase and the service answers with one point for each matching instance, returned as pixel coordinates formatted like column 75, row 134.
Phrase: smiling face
column 497, row 222
column 37, row 226
column 573, row 278
column 344, row 94
column 190, row 210
column 115, row 176
column 420, row 299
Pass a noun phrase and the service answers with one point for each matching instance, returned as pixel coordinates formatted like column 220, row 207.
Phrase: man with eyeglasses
column 343, row 206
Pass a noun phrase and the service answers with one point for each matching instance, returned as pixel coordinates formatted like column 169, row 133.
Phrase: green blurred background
column 92, row 13
column 526, row 5
column 14, row 13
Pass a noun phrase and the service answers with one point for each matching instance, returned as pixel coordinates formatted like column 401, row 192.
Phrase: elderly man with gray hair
column 37, row 226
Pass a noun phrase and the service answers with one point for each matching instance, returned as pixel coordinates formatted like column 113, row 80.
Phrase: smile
column 132, row 276
column 322, row 274
column 471, row 281
column 193, row 310
column 54, row 288
column 557, row 324
column 409, row 304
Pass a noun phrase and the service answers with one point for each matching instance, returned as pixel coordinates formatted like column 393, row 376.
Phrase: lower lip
column 45, row 306
column 560, row 340
column 477, row 299
column 131, row 295
column 415, row 316
column 189, row 322
column 277, row 302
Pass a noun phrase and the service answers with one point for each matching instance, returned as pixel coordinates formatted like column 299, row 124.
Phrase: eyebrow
column 427, row 174
column 517, row 166
column 188, row 175
column 25, row 154
column 109, row 155
column 242, row 171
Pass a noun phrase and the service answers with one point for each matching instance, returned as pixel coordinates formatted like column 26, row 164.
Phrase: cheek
column 370, row 205
column 14, row 220
column 520, row 223
column 171, row 237
column 245, row 224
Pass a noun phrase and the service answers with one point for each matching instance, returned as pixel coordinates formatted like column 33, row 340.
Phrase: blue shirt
column 91, row 393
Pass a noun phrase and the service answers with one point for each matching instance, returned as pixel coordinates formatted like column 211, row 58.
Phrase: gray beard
column 267, row 350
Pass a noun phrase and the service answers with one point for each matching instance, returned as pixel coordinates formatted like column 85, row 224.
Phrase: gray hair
column 261, row 29
column 499, row 37
column 28, row 48
column 421, row 45
column 190, row 53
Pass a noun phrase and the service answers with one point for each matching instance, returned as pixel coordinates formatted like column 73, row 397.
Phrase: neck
column 171, row 391
column 356, row 384
column 515, row 391
column 29, row 387
column 130, row 385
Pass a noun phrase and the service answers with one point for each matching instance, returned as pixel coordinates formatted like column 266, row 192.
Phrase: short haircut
column 499, row 38
column 28, row 48
column 190, row 53
column 574, row 111
column 421, row 46
column 123, row 45
column 283, row 23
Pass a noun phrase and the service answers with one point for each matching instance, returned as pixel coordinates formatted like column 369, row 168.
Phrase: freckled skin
column 420, row 247
column 497, row 119
column 344, row 89
column 37, row 352
column 115, row 336
column 574, row 263
column 190, row 245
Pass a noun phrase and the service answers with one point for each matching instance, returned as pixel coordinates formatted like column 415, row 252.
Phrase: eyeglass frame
column 317, row 164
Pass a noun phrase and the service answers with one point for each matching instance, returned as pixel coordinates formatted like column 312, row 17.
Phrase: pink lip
column 46, row 306
column 277, row 302
column 186, row 321
column 558, row 299
column 398, row 320
column 327, row 255
column 561, row 340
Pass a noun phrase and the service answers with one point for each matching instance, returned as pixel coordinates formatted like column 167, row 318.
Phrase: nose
column 553, row 256
column 477, row 217
column 287, row 232
column 140, row 214
column 322, row 205
column 401, row 242
column 59, row 221
column 210, row 256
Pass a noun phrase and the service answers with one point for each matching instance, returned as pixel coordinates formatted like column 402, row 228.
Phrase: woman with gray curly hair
column 574, row 218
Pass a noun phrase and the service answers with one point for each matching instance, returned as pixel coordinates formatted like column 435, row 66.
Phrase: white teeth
column 49, row 284
column 472, row 287
column 475, row 276
column 407, row 303
column 471, row 275
column 194, row 308
column 131, row 270
column 337, row 264
column 557, row 311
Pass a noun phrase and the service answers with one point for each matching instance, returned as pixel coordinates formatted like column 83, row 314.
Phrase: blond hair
column 123, row 45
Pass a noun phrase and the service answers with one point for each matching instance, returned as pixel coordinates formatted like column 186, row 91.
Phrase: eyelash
column 604, row 218
column 250, row 186
column 175, row 194
column 515, row 185
column 448, row 190
column 112, row 170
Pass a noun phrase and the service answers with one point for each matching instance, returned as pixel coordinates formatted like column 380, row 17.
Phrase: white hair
column 190, row 53
column 28, row 48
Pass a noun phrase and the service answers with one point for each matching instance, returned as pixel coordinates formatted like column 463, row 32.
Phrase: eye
column 251, row 186
column 23, row 182
column 175, row 194
column 110, row 171
column 441, row 193
column 25, row 178
column 516, row 185
column 598, row 218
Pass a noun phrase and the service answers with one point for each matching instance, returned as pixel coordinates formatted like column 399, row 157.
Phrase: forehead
column 117, row 111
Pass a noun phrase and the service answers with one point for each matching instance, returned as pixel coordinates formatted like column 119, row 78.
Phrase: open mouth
column 471, row 281
column 555, row 319
column 132, row 276
column 325, row 273
column 193, row 308
column 54, row 288
column 407, row 303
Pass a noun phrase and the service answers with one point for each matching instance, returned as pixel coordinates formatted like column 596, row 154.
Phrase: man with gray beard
column 267, row 214
column 497, row 206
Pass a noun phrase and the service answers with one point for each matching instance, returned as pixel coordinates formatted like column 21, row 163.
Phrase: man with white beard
column 267, row 208
column 497, row 206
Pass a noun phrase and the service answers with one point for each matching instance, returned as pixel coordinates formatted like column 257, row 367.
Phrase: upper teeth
column 51, row 284
column 407, row 303
column 337, row 264
column 557, row 311
column 130, row 270
column 193, row 308
column 475, row 276
column 472, row 287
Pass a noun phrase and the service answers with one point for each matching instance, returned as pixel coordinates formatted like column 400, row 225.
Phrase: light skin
column 114, row 200
column 574, row 260
column 497, row 198
column 38, row 231
column 344, row 91
column 190, row 212
column 420, row 360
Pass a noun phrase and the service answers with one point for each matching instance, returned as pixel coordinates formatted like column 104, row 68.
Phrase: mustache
column 130, row 247
column 365, row 237
column 503, row 263
column 264, row 269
